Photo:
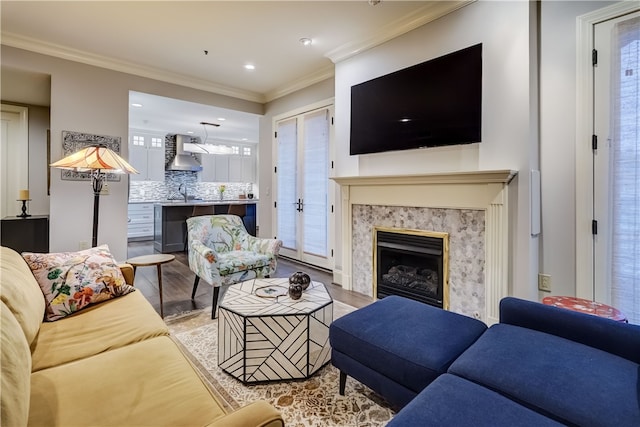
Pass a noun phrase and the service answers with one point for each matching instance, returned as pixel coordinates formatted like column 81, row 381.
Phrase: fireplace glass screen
column 410, row 265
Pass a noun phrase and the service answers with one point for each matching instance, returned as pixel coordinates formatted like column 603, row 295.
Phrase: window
column 138, row 140
column 625, row 173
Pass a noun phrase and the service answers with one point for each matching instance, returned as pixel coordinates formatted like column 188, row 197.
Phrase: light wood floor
column 177, row 282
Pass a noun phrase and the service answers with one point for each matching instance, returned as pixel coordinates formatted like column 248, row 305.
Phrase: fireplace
column 412, row 264
column 472, row 206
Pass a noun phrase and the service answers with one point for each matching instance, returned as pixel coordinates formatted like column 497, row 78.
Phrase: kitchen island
column 170, row 227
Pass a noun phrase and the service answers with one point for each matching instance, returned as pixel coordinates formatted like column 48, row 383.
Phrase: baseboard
column 337, row 277
column 295, row 261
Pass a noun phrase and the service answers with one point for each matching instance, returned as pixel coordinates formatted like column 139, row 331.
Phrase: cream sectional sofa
column 112, row 364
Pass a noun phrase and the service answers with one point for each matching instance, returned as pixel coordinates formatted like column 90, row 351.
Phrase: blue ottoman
column 397, row 346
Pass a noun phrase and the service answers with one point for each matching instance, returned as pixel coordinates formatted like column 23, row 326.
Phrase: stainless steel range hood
column 183, row 161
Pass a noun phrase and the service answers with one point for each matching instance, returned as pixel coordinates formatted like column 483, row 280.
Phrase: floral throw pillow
column 70, row 281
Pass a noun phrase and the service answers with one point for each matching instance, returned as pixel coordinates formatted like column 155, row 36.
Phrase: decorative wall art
column 75, row 141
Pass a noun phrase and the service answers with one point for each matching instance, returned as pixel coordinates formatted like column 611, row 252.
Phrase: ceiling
column 206, row 44
column 167, row 115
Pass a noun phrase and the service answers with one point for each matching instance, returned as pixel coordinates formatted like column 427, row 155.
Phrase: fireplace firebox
column 412, row 264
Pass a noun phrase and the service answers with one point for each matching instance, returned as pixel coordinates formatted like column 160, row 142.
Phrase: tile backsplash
column 153, row 191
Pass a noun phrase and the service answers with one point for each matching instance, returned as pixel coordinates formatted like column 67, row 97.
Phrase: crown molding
column 430, row 12
column 63, row 52
column 316, row 77
column 422, row 16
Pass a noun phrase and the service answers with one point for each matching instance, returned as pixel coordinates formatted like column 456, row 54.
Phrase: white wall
column 508, row 33
column 94, row 100
column 558, row 139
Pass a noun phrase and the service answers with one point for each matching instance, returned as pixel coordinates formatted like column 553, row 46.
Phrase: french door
column 303, row 205
column 616, row 164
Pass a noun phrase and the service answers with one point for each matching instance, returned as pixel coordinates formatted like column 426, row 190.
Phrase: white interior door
column 14, row 158
column 302, row 185
column 616, row 165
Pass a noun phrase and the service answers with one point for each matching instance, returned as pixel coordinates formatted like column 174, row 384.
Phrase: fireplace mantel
column 471, row 177
column 480, row 190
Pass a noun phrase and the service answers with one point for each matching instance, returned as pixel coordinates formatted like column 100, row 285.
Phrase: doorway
column 617, row 164
column 303, row 199
column 14, row 157
column 607, row 268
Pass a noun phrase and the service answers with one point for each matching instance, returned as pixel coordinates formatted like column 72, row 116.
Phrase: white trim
column 308, row 80
column 479, row 190
column 70, row 54
column 15, row 171
column 423, row 15
column 428, row 13
column 584, row 130
column 323, row 104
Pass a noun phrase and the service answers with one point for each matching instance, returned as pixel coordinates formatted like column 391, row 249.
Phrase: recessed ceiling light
column 190, row 132
column 135, row 104
column 222, row 119
column 306, row 41
column 244, row 139
column 249, row 66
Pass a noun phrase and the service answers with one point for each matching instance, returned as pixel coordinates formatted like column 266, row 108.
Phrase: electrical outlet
column 544, row 282
column 83, row 244
column 105, row 189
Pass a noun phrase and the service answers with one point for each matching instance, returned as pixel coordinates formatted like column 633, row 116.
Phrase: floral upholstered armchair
column 222, row 252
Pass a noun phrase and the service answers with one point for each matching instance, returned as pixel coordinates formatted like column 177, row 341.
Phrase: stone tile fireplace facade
column 466, row 231
column 471, row 206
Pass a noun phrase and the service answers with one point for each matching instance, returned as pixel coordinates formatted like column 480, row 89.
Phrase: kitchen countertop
column 206, row 202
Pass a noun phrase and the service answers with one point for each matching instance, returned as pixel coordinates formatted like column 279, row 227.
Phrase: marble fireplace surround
column 475, row 196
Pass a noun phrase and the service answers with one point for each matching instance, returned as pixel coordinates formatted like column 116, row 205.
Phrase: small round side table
column 150, row 260
column 586, row 306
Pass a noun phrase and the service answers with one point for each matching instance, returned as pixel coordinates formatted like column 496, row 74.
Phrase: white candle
column 24, row 195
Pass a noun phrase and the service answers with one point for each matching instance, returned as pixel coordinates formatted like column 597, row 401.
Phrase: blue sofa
column 541, row 365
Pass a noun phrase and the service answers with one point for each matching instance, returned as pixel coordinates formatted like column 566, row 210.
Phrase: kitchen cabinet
column 235, row 169
column 140, row 221
column 222, row 167
column 215, row 168
column 146, row 154
column 208, row 173
column 238, row 167
column 249, row 169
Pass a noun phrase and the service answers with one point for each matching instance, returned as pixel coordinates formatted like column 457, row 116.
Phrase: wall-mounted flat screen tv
column 435, row 103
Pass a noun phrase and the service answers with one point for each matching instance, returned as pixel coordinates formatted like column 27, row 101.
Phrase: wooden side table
column 150, row 260
column 586, row 306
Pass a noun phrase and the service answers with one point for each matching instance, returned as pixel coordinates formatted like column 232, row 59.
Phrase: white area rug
column 314, row 402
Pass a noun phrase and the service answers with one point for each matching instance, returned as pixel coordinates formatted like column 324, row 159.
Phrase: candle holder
column 24, row 213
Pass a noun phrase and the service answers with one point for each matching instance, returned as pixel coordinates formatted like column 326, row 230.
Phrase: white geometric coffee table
column 269, row 338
